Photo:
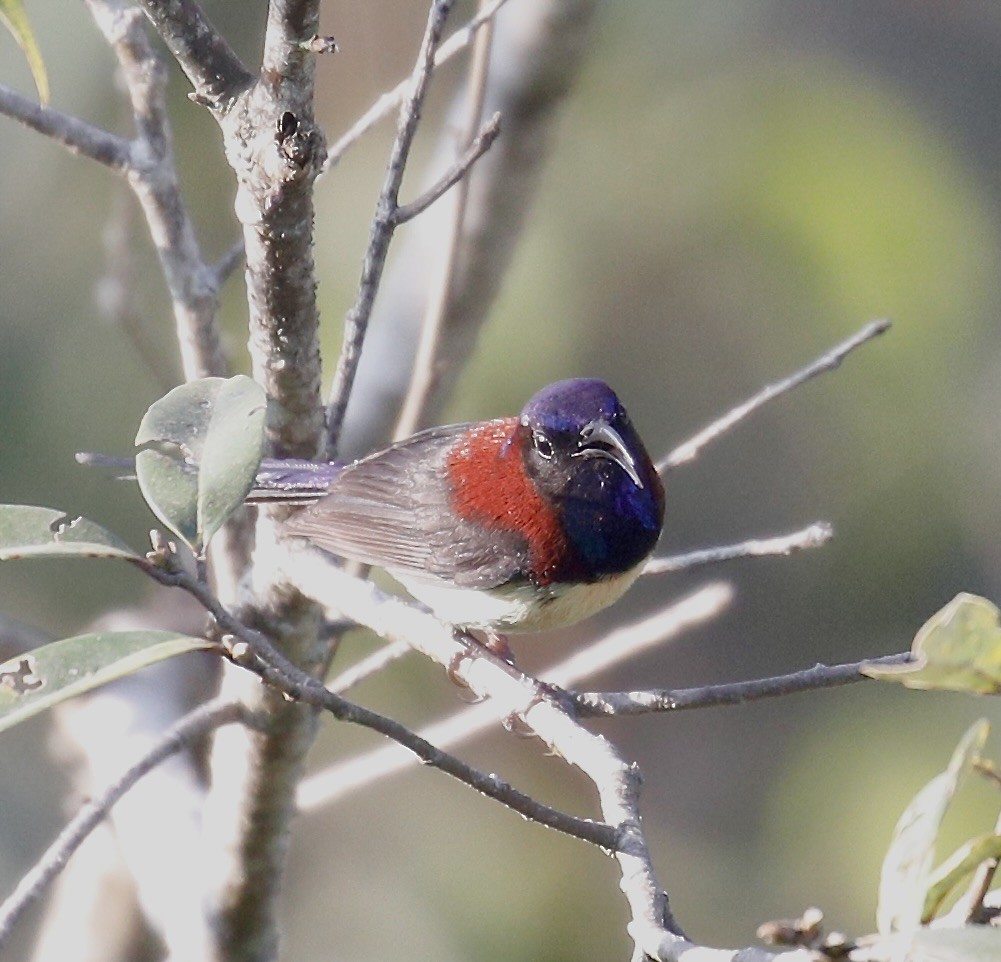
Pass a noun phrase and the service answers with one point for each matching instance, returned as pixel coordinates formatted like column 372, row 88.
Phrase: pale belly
column 517, row 608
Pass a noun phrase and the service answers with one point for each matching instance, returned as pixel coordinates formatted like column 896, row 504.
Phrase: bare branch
column 392, row 100
column 828, row 362
column 275, row 148
column 812, row 536
column 179, row 736
column 344, row 778
column 383, row 226
column 77, row 136
column 616, row 781
column 312, row 693
column 291, row 25
column 709, row 696
column 257, row 654
column 152, row 175
column 213, row 69
column 228, row 263
column 536, row 52
column 479, row 145
column 423, row 377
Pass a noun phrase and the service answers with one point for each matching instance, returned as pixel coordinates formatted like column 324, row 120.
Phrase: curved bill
column 600, row 440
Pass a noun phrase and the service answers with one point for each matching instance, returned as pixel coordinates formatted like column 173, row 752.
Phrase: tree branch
column 275, row 149
column 392, row 100
column 827, row 362
column 812, row 536
column 257, row 654
column 214, row 70
column 344, row 778
column 77, row 136
column 179, row 736
column 424, row 375
column 383, row 226
column 620, row 703
column 290, row 24
column 616, row 781
column 477, row 147
column 306, row 689
column 228, row 263
column 152, row 174
column 536, row 51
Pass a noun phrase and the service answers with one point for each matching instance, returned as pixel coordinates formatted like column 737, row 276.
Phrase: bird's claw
column 452, row 671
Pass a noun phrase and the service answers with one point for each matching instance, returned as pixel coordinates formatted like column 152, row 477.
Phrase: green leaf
column 957, row 869
column 27, row 531
column 958, row 648
column 904, row 879
column 14, row 18
column 43, row 677
column 205, row 440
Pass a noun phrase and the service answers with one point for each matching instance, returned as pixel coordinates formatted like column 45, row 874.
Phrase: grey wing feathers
column 393, row 510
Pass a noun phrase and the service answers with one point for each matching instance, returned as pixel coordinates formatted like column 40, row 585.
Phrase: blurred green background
column 734, row 188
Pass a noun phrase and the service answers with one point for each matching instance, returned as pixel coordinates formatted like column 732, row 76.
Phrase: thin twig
column 260, row 656
column 812, row 536
column 312, row 693
column 77, row 136
column 344, row 778
column 423, row 376
column 228, row 263
column 202, row 53
column 152, row 175
column 479, row 145
column 190, row 728
column 621, row 703
column 615, row 780
column 539, row 49
column 828, row 362
column 383, row 226
column 391, row 101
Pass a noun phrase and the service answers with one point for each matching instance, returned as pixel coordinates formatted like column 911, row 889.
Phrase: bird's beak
column 600, row 440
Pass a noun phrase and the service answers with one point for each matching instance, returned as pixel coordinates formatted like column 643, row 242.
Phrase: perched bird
column 517, row 524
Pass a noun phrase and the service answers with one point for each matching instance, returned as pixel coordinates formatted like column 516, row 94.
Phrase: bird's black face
column 584, row 457
column 576, row 434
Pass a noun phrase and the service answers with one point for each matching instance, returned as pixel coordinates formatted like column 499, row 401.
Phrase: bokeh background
column 733, row 189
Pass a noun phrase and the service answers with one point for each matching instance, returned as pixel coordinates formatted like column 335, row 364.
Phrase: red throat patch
column 489, row 486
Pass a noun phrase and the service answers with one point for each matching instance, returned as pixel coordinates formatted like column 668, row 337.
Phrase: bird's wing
column 394, row 510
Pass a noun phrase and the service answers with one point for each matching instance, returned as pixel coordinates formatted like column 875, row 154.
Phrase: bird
column 517, row 524
column 512, row 525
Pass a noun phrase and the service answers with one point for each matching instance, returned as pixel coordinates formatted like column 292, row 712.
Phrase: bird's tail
column 278, row 481
column 293, row 481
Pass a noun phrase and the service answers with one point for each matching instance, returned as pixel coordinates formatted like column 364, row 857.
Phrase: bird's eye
column 542, row 444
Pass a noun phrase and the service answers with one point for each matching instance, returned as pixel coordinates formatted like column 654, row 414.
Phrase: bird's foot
column 497, row 645
column 454, row 669
column 493, row 643
column 516, row 723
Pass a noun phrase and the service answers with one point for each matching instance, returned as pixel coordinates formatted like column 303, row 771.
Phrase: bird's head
column 583, row 454
column 579, row 428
